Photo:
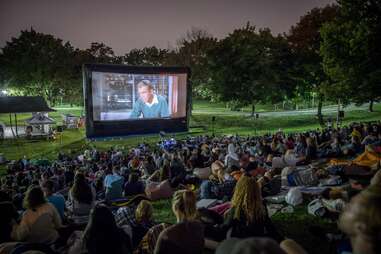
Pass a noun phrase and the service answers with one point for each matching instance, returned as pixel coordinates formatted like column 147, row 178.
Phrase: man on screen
column 149, row 104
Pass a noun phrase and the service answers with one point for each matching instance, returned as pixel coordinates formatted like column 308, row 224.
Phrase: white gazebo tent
column 40, row 123
column 70, row 121
column 21, row 104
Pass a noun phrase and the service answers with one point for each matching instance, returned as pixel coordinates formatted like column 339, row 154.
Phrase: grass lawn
column 226, row 124
column 293, row 225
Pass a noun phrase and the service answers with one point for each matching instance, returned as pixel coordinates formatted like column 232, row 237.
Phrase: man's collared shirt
column 154, row 101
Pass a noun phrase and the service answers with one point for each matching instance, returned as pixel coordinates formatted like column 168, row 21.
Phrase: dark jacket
column 185, row 238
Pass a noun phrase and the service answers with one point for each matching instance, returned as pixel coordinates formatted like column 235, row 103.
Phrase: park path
column 311, row 111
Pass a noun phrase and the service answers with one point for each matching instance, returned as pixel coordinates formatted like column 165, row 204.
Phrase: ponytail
column 184, row 205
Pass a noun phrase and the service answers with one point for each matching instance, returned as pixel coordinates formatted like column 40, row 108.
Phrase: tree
column 304, row 39
column 249, row 67
column 37, row 64
column 351, row 51
column 97, row 53
column 148, row 56
column 191, row 52
column 101, row 53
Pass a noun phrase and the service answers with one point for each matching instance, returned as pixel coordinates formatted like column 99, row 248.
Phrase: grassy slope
column 293, row 225
column 227, row 124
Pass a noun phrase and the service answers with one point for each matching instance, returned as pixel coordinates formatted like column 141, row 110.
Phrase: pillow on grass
column 156, row 191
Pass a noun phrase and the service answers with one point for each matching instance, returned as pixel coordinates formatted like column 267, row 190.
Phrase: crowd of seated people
column 94, row 201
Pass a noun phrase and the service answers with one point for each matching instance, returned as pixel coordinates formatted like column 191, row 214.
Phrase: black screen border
column 102, row 129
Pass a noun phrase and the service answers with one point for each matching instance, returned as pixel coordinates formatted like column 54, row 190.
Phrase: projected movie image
column 121, row 96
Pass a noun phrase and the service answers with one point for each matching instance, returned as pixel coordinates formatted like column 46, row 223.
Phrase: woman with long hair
column 247, row 216
column 247, row 203
column 81, row 196
column 143, row 221
column 40, row 221
column 187, row 235
column 101, row 235
column 184, row 205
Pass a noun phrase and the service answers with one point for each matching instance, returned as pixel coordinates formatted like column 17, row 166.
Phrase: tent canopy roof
column 40, row 119
column 23, row 104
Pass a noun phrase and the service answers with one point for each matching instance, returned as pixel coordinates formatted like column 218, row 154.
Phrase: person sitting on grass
column 231, row 157
column 81, row 196
column 187, row 235
column 247, row 216
column 311, row 150
column 133, row 186
column 353, row 147
column 40, row 221
column 113, row 184
column 259, row 245
column 165, row 172
column 8, row 218
column 361, row 221
column 148, row 166
column 220, row 186
column 139, row 218
column 102, row 235
column 55, row 199
column 251, row 169
column 177, row 170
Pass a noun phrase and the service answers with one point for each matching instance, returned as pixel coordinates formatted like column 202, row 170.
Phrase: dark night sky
column 126, row 24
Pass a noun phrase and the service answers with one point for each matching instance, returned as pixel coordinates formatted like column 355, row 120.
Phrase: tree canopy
column 332, row 52
column 351, row 51
column 250, row 67
column 37, row 64
column 304, row 39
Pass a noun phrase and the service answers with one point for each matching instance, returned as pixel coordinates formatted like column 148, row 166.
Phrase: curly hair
column 247, row 200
